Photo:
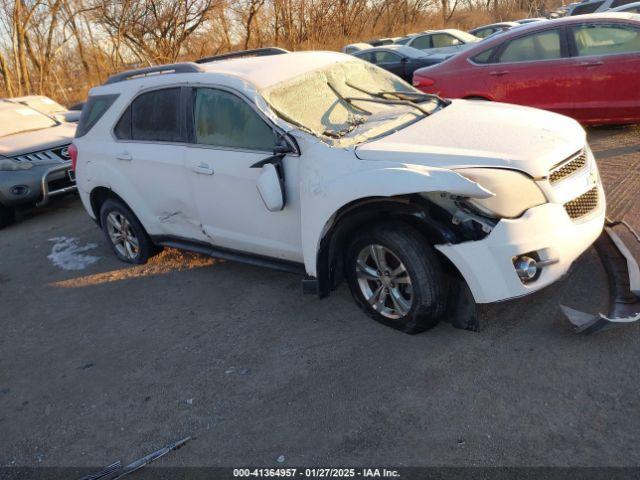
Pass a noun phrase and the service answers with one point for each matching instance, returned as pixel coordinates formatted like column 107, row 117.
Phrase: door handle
column 202, row 169
column 498, row 73
column 595, row 63
column 124, row 156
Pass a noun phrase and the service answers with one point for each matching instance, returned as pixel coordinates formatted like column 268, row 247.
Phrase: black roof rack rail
column 185, row 67
column 256, row 52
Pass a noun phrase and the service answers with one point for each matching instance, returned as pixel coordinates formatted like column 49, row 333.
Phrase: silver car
column 35, row 164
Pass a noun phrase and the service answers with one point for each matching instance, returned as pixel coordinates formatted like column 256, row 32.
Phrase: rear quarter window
column 93, row 110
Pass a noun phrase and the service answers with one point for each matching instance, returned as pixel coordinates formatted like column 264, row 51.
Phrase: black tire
column 428, row 284
column 7, row 215
column 146, row 248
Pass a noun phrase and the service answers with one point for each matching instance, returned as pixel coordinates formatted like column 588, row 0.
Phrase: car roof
column 259, row 72
column 535, row 26
column 359, row 44
column 497, row 24
column 401, row 49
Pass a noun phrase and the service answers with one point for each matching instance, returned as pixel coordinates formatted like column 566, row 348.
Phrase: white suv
column 320, row 163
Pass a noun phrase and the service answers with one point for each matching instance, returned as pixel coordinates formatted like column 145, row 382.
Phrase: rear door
column 533, row 70
column 149, row 156
column 606, row 67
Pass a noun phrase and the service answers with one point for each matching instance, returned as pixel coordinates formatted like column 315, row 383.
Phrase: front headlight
column 10, row 165
column 514, row 191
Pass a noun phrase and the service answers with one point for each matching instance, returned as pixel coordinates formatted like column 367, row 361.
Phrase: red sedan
column 586, row 67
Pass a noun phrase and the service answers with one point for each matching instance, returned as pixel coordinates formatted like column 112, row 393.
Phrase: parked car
column 486, row 30
column 629, row 8
column 34, row 158
column 48, row 107
column 524, row 21
column 585, row 67
column 326, row 165
column 379, row 42
column 400, row 59
column 442, row 41
column 355, row 47
column 596, row 6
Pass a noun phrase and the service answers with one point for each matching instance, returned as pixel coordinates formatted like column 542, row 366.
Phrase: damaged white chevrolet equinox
column 319, row 163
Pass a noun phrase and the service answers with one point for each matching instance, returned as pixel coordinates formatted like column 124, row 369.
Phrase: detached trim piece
column 623, row 273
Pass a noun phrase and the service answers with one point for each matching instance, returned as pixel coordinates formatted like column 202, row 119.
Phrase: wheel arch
column 413, row 210
column 98, row 196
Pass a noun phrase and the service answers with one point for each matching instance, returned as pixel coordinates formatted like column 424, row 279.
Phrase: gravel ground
column 112, row 362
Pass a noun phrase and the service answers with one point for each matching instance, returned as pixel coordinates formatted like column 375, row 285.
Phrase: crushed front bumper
column 487, row 265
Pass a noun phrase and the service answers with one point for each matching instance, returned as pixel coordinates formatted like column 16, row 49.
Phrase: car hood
column 482, row 134
column 37, row 140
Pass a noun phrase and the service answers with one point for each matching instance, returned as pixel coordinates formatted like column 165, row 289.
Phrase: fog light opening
column 527, row 268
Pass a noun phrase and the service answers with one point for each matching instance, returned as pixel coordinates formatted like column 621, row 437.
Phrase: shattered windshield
column 348, row 102
column 15, row 118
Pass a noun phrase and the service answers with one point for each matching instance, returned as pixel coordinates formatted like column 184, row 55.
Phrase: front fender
column 321, row 200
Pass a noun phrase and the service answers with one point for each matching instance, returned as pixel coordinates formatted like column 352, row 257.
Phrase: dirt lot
column 111, row 362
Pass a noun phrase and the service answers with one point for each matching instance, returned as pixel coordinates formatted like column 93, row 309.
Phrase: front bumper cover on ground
column 623, row 274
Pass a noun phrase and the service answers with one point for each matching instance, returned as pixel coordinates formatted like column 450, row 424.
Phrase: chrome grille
column 59, row 154
column 582, row 205
column 568, row 168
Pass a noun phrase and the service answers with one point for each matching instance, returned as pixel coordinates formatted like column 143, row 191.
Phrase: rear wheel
column 7, row 215
column 396, row 277
column 125, row 234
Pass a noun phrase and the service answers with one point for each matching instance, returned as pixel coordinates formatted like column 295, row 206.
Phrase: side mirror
column 271, row 187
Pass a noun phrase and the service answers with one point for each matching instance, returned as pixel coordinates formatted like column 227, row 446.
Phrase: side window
column 365, row 56
column 619, row 3
column 538, row 46
column 440, row 40
column 606, row 39
column 93, row 111
column 224, row 120
column 485, row 32
column 586, row 8
column 422, row 43
column 386, row 57
column 403, row 41
column 483, row 57
column 153, row 116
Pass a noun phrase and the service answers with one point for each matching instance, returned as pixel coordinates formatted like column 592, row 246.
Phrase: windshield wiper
column 398, row 94
column 387, row 101
column 344, row 99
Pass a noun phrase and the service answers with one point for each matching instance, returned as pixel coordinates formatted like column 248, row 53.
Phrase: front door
column 229, row 136
column 533, row 70
column 606, row 66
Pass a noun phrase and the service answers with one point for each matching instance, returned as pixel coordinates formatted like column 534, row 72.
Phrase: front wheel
column 395, row 276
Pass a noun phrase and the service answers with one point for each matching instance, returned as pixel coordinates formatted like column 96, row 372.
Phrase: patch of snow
column 68, row 254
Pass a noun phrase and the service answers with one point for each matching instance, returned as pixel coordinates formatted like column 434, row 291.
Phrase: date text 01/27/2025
column 316, row 472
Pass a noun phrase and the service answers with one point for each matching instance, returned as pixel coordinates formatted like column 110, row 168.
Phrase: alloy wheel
column 384, row 281
column 122, row 236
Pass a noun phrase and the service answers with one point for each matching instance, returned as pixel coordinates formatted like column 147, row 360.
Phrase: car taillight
column 73, row 153
column 423, row 81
